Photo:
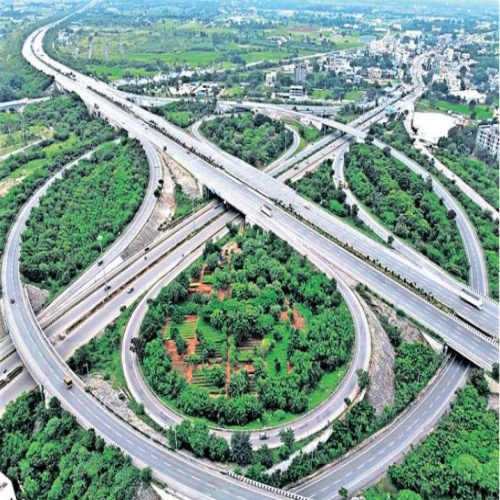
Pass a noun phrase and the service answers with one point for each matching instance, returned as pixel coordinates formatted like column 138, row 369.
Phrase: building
column 487, row 138
column 296, row 92
column 271, row 78
column 300, row 73
column 6, row 488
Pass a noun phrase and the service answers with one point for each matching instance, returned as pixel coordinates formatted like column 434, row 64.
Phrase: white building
column 6, row 488
column 271, row 78
column 487, row 138
column 448, row 54
column 300, row 73
column 296, row 92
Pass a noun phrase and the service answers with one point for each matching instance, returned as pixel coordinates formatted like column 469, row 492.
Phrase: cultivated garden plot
column 253, row 336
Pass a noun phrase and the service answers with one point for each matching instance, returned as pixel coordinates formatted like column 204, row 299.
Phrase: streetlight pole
column 99, row 239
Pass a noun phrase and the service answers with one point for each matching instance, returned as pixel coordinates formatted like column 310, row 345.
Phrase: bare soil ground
column 163, row 212
column 409, row 332
column 103, row 391
column 188, row 183
column 37, row 297
column 381, row 390
column 6, row 184
column 493, row 402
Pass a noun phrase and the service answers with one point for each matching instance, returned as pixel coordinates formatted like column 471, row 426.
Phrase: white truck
column 267, row 210
column 471, row 298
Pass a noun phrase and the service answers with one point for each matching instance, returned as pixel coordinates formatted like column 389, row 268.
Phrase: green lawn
column 209, row 332
column 321, row 94
column 483, row 112
column 355, row 95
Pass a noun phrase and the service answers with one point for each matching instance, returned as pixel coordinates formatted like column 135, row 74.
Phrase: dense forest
column 69, row 110
column 98, row 196
column 274, row 363
column 256, row 139
column 487, row 228
column 406, row 204
column 319, row 187
column 47, row 454
column 184, row 113
column 18, row 79
column 457, row 461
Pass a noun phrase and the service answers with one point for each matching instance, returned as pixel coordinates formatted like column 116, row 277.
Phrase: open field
column 483, row 112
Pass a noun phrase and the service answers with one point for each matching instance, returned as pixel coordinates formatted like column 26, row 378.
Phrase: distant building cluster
column 488, row 138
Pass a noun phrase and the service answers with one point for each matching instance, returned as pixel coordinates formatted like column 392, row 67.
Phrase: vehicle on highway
column 100, row 263
column 267, row 210
column 471, row 298
column 263, row 436
column 68, row 381
column 12, row 300
column 130, row 290
column 107, row 287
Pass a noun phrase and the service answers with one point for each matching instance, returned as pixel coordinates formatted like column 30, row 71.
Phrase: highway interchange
column 238, row 189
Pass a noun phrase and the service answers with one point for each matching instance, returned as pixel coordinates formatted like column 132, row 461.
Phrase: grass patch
column 483, row 112
column 355, row 95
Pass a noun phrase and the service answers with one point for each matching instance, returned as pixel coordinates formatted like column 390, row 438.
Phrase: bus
column 471, row 298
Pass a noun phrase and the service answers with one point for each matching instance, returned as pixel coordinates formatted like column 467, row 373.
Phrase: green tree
column 287, row 437
column 241, row 448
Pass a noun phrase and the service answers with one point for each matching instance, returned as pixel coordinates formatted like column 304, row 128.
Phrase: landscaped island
column 256, row 139
column 252, row 335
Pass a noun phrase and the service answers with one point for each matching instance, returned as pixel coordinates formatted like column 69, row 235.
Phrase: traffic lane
column 371, row 461
column 183, row 156
column 255, row 176
column 454, row 333
column 125, row 275
column 110, row 310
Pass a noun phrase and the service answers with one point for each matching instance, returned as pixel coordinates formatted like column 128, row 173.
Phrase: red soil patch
column 284, row 315
column 205, row 289
column 288, row 366
column 171, row 350
column 299, row 321
column 249, row 368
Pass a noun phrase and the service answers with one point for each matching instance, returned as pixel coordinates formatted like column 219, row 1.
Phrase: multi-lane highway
column 238, row 186
column 74, row 326
column 478, row 272
column 361, row 468
column 48, row 369
column 424, row 278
